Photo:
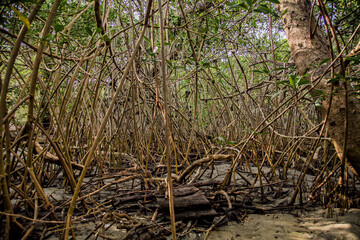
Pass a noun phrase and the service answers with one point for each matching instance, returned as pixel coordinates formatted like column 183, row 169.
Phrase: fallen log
column 196, row 214
column 189, row 203
column 184, row 191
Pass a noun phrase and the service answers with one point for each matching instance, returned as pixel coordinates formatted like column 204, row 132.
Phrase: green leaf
column 47, row 38
column 249, row 2
column 338, row 75
column 179, row 67
column 355, row 59
column 292, row 80
column 190, row 60
column 169, row 62
column 239, row 5
column 243, row 6
column 205, row 63
column 284, row 12
column 215, row 29
column 203, row 30
column 317, row 92
column 333, row 80
column 265, row 70
column 281, row 82
column 98, row 30
column 305, row 72
column 216, row 68
column 324, row 61
column 261, row 133
column 302, row 82
column 264, row 133
column 147, row 39
column 263, row 9
column 21, row 17
column 150, row 52
column 88, row 31
column 58, row 27
column 279, row 69
column 106, row 38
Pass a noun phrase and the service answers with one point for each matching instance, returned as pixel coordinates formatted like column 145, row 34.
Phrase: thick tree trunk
column 308, row 51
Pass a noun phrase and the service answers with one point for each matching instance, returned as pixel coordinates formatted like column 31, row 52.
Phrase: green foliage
column 231, row 40
column 354, row 59
column 295, row 81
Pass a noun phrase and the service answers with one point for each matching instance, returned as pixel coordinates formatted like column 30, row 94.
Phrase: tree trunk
column 309, row 47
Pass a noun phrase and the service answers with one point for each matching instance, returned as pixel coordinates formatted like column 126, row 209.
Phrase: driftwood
column 189, row 203
column 196, row 214
column 179, row 191
column 185, row 191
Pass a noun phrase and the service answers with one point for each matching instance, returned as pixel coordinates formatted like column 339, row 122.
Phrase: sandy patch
column 301, row 224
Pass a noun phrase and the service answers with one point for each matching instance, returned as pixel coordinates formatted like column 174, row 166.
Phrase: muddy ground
column 118, row 209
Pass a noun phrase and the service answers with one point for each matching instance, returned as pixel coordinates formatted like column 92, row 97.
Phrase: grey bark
column 309, row 47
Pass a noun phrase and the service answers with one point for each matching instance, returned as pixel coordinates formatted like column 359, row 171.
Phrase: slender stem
column 166, row 125
column 89, row 157
column 3, row 111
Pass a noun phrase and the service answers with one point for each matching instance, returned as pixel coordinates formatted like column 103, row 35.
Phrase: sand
column 300, row 224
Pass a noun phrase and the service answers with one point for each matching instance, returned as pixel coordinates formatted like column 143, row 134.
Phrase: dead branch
column 48, row 157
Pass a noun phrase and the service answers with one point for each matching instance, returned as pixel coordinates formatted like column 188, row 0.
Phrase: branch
column 199, row 163
column 48, row 157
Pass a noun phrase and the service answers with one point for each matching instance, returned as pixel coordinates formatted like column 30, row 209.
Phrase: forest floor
column 315, row 223
column 119, row 207
column 300, row 224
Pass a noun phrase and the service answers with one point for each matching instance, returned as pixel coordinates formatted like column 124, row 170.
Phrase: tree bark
column 309, row 47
